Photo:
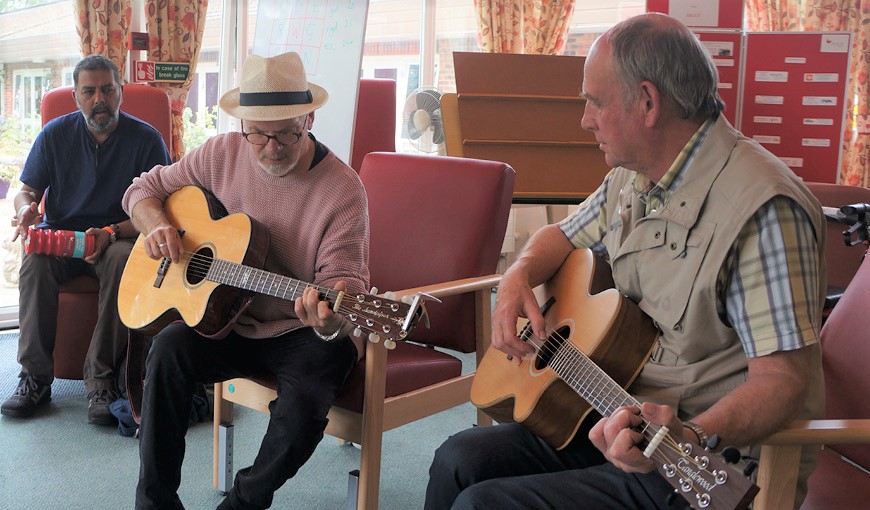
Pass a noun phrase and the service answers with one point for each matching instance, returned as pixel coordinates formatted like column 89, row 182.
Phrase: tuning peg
column 731, row 454
column 390, row 295
column 713, row 442
column 357, row 332
column 389, row 344
column 750, row 467
column 374, row 338
column 374, row 291
column 407, row 299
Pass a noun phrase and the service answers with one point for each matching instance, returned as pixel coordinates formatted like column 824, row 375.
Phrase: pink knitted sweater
column 317, row 220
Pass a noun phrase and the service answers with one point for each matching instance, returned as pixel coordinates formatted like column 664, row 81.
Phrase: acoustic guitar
column 598, row 342
column 219, row 274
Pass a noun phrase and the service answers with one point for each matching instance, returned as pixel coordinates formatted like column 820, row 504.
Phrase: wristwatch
column 694, row 427
column 113, row 231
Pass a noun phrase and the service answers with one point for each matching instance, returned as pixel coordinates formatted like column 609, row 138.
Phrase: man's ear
column 650, row 103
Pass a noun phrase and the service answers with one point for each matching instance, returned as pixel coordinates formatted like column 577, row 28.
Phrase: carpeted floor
column 57, row 461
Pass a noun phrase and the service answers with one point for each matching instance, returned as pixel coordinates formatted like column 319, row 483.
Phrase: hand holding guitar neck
column 598, row 342
column 217, row 274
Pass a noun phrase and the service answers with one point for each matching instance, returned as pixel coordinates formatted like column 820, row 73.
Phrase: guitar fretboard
column 260, row 281
column 589, row 380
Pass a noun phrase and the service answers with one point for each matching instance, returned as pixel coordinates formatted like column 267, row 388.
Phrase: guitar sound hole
column 199, row 265
column 553, row 343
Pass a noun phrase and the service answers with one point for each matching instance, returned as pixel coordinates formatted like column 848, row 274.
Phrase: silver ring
column 161, row 245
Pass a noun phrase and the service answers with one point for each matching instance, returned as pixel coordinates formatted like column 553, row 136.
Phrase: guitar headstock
column 703, row 478
column 383, row 317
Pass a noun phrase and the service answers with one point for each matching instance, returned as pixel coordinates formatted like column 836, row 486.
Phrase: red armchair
column 374, row 129
column 836, row 483
column 77, row 301
column 437, row 226
column 843, row 261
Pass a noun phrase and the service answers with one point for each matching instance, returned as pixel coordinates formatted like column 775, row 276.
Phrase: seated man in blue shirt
column 81, row 163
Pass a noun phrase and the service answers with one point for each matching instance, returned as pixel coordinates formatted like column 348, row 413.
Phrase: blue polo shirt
column 83, row 181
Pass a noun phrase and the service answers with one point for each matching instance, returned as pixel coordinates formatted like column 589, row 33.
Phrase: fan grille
column 421, row 120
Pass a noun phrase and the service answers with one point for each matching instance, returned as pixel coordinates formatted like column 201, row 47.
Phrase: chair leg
column 225, row 458
column 373, row 427
column 223, row 441
column 777, row 476
column 352, row 490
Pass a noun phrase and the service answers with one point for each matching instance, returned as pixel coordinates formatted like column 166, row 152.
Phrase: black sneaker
column 29, row 395
column 98, row 407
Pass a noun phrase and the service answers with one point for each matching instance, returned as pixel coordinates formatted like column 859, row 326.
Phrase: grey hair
column 670, row 56
column 96, row 63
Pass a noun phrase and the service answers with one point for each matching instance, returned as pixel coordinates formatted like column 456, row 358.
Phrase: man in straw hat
column 315, row 208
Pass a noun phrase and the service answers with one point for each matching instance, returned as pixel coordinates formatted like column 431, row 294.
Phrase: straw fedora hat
column 273, row 88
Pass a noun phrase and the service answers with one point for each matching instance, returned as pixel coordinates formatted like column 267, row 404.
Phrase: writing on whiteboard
column 328, row 35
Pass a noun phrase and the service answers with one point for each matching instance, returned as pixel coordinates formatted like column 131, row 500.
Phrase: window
column 67, row 77
column 411, row 41
column 28, row 87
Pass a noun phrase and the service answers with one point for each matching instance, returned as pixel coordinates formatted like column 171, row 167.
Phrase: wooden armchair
column 77, row 300
column 845, row 433
column 437, row 226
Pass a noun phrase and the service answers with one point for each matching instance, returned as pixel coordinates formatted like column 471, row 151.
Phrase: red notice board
column 726, row 49
column 794, row 98
column 702, row 13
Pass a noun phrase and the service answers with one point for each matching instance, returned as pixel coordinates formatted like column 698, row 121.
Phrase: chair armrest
column 454, row 287
column 804, row 432
column 780, row 455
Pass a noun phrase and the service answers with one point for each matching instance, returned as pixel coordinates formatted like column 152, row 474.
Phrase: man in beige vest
column 713, row 237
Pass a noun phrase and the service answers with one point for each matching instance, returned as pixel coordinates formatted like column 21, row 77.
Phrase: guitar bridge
column 164, row 266
column 161, row 271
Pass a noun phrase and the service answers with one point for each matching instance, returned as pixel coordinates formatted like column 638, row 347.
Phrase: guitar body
column 597, row 320
column 147, row 302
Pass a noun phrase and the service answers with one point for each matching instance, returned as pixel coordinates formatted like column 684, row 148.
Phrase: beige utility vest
column 668, row 263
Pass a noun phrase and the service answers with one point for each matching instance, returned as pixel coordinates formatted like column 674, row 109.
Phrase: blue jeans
column 310, row 373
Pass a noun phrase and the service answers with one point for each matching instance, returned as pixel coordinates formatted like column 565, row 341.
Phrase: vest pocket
column 669, row 273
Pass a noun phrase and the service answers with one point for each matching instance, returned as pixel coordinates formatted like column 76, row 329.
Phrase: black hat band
column 274, row 98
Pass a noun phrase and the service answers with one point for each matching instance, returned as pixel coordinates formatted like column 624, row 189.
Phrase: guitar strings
column 648, row 431
column 200, row 265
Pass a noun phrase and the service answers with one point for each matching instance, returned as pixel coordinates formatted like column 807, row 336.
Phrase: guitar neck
column 590, row 381
column 262, row 282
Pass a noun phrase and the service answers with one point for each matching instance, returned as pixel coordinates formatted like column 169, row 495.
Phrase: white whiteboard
column 328, row 35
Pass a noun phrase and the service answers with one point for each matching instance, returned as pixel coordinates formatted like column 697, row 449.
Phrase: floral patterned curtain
column 523, row 26
column 832, row 15
column 175, row 35
column 102, row 27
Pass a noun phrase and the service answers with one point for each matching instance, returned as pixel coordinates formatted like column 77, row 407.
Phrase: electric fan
column 421, row 120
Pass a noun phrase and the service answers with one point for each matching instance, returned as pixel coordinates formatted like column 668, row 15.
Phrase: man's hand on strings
column 622, row 436
column 515, row 299
column 164, row 241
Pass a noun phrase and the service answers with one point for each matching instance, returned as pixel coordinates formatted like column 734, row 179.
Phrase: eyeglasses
column 282, row 138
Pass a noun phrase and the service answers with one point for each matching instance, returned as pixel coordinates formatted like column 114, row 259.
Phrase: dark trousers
column 309, row 371
column 40, row 279
column 507, row 467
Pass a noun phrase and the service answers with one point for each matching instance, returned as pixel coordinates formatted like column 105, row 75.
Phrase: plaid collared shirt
column 767, row 288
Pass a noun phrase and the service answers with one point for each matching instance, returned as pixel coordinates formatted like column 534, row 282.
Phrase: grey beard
column 102, row 128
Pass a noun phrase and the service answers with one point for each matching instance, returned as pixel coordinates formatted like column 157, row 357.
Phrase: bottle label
column 79, row 249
